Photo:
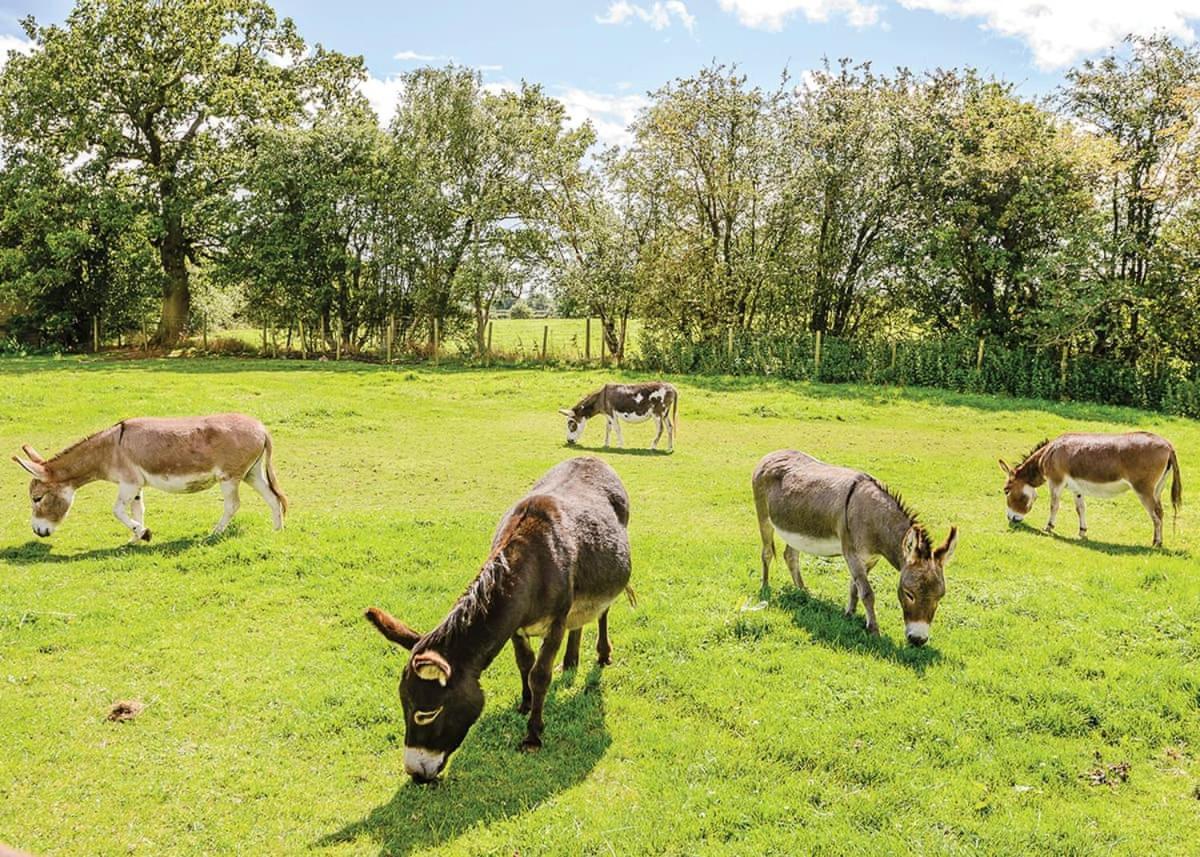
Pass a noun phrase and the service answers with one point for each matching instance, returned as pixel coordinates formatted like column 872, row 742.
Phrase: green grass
column 272, row 724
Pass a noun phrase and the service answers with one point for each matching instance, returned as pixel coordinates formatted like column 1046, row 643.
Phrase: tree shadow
column 1109, row 548
column 35, row 552
column 488, row 780
column 830, row 626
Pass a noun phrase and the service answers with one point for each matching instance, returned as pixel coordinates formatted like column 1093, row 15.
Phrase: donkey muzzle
column 423, row 765
column 917, row 633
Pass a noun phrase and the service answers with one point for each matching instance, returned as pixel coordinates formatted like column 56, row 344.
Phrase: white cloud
column 413, row 56
column 1058, row 32
column 382, row 95
column 611, row 115
column 658, row 16
column 773, row 14
column 13, row 43
column 486, row 68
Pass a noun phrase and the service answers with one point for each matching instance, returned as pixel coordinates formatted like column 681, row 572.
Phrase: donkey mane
column 80, row 442
column 588, row 402
column 905, row 509
column 1038, row 447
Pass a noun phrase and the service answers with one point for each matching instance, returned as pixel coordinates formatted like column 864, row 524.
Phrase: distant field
column 1055, row 711
column 512, row 337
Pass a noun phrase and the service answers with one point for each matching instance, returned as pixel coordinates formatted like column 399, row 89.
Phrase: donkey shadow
column 830, row 626
column 38, row 552
column 619, row 450
column 488, row 780
column 1110, row 548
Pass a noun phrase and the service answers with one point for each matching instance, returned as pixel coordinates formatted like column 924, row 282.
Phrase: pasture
column 1056, row 709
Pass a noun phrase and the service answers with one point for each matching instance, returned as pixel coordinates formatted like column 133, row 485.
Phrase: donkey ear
column 911, row 546
column 1004, row 466
column 33, row 454
column 946, row 552
column 392, row 628
column 566, row 413
column 36, row 470
column 431, row 666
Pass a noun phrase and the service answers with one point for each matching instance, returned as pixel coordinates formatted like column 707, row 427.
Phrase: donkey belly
column 815, row 545
column 181, row 483
column 1097, row 489
column 632, row 417
column 583, row 610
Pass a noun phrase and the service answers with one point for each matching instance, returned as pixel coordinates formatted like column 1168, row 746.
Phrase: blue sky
column 601, row 56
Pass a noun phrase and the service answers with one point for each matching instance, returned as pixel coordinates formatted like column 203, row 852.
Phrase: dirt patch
column 1107, row 775
column 126, row 709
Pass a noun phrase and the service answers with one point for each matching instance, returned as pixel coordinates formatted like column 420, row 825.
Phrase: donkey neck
column 483, row 619
column 88, row 460
column 887, row 525
column 1030, row 469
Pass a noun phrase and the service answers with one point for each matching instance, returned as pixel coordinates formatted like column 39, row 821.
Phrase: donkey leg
column 670, row 433
column 126, row 492
column 654, row 443
column 1079, row 510
column 617, row 427
column 792, row 558
column 258, row 480
column 229, row 490
column 1154, row 509
column 767, row 531
column 571, row 655
column 524, row 654
column 608, row 421
column 852, row 604
column 137, row 509
column 603, row 646
column 1055, row 497
column 539, row 682
column 858, row 571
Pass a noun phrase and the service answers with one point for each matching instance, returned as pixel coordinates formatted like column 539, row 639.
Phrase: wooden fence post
column 491, row 324
column 391, row 335
column 545, row 340
column 95, row 333
column 300, row 333
column 893, row 366
column 264, row 348
column 979, row 357
column 587, row 340
column 204, row 330
column 435, row 342
column 145, row 336
column 817, row 356
column 729, row 343
column 603, row 346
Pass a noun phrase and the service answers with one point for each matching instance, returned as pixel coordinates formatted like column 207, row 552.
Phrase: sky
column 601, row 57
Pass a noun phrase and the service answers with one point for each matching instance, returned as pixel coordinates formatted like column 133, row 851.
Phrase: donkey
column 559, row 559
column 634, row 403
column 820, row 509
column 178, row 456
column 1095, row 465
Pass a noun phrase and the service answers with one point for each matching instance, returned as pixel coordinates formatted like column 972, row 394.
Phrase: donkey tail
column 272, row 480
column 1176, row 486
column 675, row 411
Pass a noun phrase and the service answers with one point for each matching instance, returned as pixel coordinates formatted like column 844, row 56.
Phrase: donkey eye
column 909, row 595
column 38, row 499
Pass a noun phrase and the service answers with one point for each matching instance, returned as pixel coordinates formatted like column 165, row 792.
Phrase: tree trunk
column 177, row 297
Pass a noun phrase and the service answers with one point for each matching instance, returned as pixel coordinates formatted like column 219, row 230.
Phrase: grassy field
column 271, row 722
column 514, row 338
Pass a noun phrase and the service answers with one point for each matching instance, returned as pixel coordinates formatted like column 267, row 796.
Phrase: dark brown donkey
column 633, row 403
column 1095, row 465
column 820, row 509
column 559, row 558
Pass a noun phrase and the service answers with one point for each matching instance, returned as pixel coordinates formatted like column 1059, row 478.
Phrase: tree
column 162, row 90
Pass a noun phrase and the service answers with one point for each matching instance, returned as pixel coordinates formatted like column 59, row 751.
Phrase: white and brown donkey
column 1095, row 465
column 633, row 403
column 820, row 509
column 178, row 456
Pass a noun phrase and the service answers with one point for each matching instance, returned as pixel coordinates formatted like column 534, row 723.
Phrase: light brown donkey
column 820, row 509
column 179, row 456
column 1095, row 465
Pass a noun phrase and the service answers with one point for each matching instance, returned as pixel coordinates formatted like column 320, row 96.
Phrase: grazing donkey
column 820, row 509
column 174, row 455
column 1095, row 465
column 559, row 558
column 634, row 403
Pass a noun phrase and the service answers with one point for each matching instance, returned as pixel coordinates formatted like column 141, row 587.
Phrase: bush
column 521, row 309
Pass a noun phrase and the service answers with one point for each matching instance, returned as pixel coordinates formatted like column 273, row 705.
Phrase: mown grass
column 272, row 725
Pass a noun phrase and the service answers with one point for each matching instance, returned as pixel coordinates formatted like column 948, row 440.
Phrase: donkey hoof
column 530, row 745
column 567, row 666
column 145, row 536
column 1049, row 528
column 873, row 630
column 604, row 659
column 524, row 707
column 1083, row 535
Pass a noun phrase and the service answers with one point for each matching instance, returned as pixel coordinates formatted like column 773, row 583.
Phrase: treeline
column 177, row 156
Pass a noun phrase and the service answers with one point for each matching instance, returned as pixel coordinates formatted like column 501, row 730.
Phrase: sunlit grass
column 271, row 723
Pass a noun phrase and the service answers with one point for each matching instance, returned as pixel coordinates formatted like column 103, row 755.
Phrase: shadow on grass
column 830, row 626
column 616, row 450
column 35, row 552
column 488, row 780
column 1109, row 548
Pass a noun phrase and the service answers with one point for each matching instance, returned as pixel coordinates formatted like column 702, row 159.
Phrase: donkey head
column 574, row 425
column 440, row 704
column 923, row 581
column 1019, row 493
column 50, row 498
